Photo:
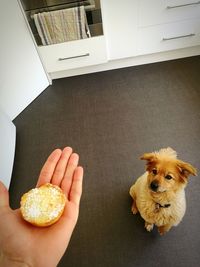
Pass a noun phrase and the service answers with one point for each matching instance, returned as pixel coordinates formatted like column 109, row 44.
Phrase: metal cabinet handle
column 189, row 4
column 178, row 37
column 66, row 58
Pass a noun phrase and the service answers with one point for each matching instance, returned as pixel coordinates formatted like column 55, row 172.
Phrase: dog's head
column 165, row 172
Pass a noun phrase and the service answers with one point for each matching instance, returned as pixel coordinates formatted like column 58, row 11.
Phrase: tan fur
column 160, row 166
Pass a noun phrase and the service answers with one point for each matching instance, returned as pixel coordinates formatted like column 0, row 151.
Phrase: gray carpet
column 110, row 119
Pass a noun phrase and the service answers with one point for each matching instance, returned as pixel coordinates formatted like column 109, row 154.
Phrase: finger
column 70, row 215
column 49, row 167
column 4, row 197
column 61, row 166
column 76, row 188
column 67, row 180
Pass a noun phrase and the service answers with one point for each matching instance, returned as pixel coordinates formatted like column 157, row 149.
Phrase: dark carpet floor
column 111, row 118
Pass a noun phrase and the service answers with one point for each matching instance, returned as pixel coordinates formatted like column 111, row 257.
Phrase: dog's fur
column 159, row 193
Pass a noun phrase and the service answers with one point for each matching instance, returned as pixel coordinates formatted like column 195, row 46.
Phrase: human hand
column 22, row 244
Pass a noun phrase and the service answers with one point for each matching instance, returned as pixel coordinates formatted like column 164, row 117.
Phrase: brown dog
column 159, row 193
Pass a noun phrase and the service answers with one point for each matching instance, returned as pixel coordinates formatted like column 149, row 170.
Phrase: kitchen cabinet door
column 120, row 27
column 22, row 75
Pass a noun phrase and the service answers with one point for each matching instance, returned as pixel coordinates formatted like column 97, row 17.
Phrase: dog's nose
column 154, row 185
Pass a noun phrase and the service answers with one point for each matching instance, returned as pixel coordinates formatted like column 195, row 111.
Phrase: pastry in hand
column 44, row 205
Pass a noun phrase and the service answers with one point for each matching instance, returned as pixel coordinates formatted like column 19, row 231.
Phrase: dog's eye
column 154, row 171
column 168, row 177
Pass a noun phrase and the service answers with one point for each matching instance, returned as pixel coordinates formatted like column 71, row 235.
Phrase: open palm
column 20, row 242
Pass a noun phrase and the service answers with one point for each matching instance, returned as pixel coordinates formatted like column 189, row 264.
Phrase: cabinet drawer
column 165, row 11
column 169, row 36
column 75, row 54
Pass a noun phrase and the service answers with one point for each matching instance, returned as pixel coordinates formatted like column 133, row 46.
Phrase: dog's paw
column 149, row 226
column 134, row 208
column 164, row 229
column 161, row 230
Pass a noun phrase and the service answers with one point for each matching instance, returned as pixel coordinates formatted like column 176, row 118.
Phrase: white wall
column 7, row 145
column 22, row 76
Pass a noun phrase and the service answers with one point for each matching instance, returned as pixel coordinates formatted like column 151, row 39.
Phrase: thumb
column 4, row 197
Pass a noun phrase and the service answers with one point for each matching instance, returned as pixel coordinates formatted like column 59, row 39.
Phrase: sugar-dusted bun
column 44, row 205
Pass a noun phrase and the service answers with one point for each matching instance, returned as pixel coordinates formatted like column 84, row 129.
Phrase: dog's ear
column 148, row 156
column 185, row 169
column 151, row 160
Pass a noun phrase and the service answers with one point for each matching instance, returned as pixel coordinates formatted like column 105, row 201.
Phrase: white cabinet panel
column 156, row 12
column 169, row 36
column 120, row 27
column 22, row 76
column 75, row 54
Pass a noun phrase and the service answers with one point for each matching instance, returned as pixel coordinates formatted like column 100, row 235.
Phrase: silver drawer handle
column 66, row 58
column 180, row 36
column 189, row 4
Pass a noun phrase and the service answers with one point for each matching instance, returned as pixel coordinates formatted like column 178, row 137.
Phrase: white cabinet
column 75, row 54
column 54, row 24
column 168, row 25
column 140, row 27
column 120, row 20
column 22, row 75
column 131, row 29
column 169, row 36
column 133, row 32
column 157, row 12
